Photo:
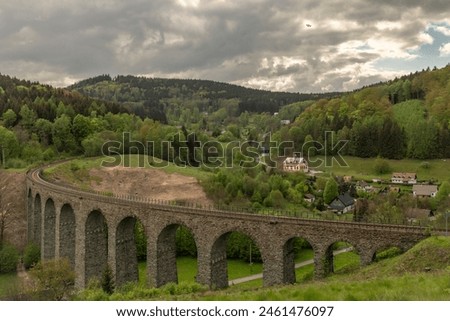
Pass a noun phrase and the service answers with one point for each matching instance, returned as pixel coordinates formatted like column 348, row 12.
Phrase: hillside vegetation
column 422, row 273
column 406, row 117
column 170, row 99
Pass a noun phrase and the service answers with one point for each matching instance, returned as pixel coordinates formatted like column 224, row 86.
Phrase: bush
column 107, row 283
column 425, row 165
column 54, row 279
column 381, row 167
column 48, row 154
column 9, row 257
column 15, row 163
column 31, row 255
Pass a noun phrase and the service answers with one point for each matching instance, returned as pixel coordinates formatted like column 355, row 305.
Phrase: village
column 358, row 191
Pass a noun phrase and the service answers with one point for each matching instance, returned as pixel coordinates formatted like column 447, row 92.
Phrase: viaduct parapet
column 94, row 231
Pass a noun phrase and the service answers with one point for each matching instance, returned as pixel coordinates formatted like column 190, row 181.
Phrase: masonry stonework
column 95, row 231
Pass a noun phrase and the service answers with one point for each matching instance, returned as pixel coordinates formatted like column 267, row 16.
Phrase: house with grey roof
column 425, row 190
column 342, row 204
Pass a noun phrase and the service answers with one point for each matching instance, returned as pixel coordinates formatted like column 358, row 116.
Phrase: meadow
column 363, row 168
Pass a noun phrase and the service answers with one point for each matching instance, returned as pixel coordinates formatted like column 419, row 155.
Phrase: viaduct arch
column 94, row 230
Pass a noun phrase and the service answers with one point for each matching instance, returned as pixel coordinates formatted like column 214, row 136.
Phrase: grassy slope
column 8, row 284
column 399, row 278
column 363, row 168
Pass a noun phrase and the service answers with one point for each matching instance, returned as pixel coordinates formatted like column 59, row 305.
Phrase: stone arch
column 37, row 221
column 166, row 253
column 67, row 234
column 126, row 251
column 96, row 245
column 219, row 266
column 30, row 218
column 289, row 253
column 374, row 254
column 49, row 229
column 328, row 260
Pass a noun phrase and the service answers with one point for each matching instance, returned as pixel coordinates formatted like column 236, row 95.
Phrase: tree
column 308, row 148
column 275, row 199
column 9, row 257
column 442, row 198
column 28, row 116
column 361, row 208
column 81, row 127
column 62, row 134
column 331, row 191
column 54, row 279
column 43, row 128
column 9, row 118
column 31, row 255
column 9, row 145
column 392, row 140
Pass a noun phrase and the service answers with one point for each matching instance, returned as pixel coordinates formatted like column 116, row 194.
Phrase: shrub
column 48, row 154
column 54, row 279
column 107, row 283
column 31, row 255
column 15, row 163
column 425, row 165
column 9, row 257
column 381, row 166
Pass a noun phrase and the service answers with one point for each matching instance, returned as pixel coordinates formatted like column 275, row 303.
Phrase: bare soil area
column 149, row 183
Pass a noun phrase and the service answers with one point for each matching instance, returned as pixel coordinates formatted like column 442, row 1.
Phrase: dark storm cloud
column 259, row 43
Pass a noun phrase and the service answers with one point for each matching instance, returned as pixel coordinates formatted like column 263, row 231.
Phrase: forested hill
column 405, row 117
column 151, row 96
column 48, row 102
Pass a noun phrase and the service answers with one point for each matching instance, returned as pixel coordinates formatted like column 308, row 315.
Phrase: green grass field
column 8, row 284
column 363, row 168
column 187, row 268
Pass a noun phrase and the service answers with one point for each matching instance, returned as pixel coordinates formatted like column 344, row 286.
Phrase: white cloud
column 388, row 25
column 444, row 50
column 259, row 43
column 425, row 38
column 445, row 30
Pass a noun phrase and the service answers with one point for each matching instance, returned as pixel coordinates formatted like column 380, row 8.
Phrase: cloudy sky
column 289, row 45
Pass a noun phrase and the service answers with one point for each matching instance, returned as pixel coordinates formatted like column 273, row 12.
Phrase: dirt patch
column 13, row 198
column 149, row 183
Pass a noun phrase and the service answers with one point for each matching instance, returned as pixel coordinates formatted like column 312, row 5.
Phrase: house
column 404, row 178
column 295, row 164
column 364, row 186
column 347, row 179
column 425, row 190
column 418, row 214
column 309, row 198
column 285, row 122
column 342, row 204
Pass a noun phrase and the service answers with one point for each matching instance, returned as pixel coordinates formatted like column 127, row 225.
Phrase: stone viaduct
column 94, row 230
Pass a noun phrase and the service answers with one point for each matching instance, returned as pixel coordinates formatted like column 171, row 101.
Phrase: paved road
column 298, row 265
